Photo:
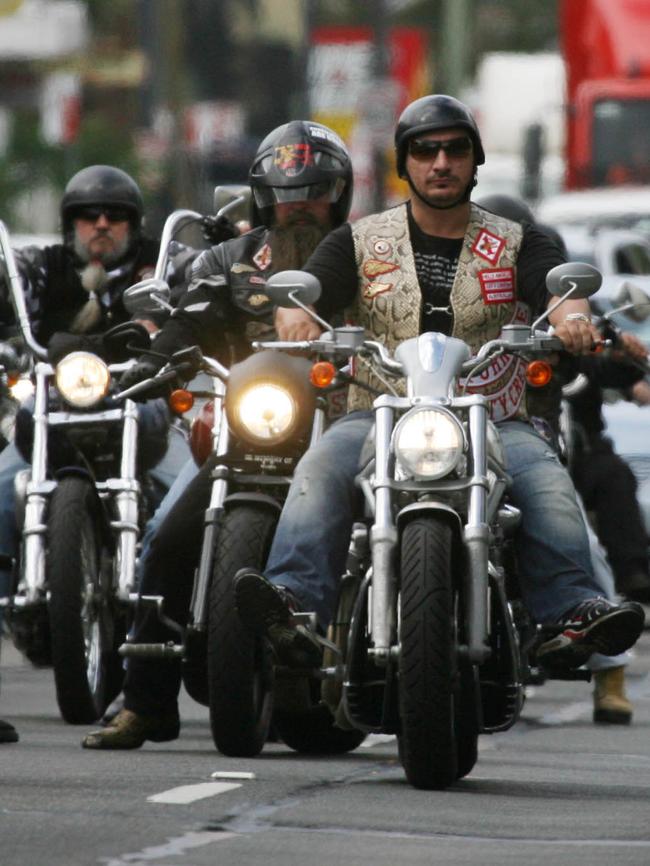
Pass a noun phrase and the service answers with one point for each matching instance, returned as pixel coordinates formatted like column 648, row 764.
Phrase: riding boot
column 611, row 705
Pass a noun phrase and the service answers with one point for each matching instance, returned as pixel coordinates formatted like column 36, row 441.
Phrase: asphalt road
column 556, row 789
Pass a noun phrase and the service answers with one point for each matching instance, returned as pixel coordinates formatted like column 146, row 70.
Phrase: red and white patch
column 488, row 246
column 497, row 285
column 257, row 280
column 262, row 257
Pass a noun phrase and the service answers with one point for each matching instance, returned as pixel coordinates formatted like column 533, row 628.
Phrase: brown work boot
column 128, row 730
column 611, row 705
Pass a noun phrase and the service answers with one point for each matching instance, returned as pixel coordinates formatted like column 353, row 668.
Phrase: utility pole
column 452, row 71
column 381, row 71
column 303, row 95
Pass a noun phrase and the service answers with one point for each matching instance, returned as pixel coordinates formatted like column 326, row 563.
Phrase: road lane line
column 174, row 847
column 189, row 793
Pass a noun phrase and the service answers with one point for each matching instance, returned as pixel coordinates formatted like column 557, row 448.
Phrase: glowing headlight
column 82, row 379
column 267, row 413
column 428, row 443
column 21, row 389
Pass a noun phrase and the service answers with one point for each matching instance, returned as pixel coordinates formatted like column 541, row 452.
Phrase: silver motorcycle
column 432, row 642
column 80, row 508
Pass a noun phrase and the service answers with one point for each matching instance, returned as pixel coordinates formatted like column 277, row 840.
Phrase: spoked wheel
column 87, row 670
column 430, row 693
column 240, row 671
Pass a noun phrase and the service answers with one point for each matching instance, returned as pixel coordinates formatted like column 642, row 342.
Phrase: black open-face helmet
column 429, row 114
column 97, row 186
column 299, row 161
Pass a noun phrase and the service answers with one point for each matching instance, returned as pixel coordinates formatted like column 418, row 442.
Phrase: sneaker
column 128, row 730
column 268, row 610
column 8, row 734
column 593, row 626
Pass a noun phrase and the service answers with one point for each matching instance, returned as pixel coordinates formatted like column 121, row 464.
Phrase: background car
column 621, row 207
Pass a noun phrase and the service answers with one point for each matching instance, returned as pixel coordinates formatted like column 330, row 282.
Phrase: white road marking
column 231, row 774
column 189, row 793
column 174, row 847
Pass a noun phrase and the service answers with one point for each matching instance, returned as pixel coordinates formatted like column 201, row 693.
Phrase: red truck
column 606, row 49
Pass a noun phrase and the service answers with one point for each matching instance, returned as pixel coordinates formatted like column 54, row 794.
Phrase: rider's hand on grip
column 144, row 368
column 218, row 229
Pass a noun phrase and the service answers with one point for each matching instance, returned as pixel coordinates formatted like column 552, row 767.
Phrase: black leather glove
column 122, row 342
column 61, row 344
column 218, row 229
column 144, row 368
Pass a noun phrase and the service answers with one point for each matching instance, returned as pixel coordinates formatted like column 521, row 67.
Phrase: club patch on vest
column 488, row 246
column 258, row 299
column 373, row 289
column 262, row 257
column 497, row 285
column 373, row 268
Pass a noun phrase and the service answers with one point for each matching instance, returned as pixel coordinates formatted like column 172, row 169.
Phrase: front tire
column 431, row 689
column 240, row 671
column 87, row 670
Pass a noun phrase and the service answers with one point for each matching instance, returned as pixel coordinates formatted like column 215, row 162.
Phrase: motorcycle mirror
column 146, row 297
column 232, row 200
column 579, row 278
column 293, row 288
column 634, row 300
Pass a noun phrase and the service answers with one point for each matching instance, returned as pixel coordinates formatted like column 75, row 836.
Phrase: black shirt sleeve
column 537, row 255
column 334, row 263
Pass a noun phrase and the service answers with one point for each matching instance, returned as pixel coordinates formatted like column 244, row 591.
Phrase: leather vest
column 483, row 298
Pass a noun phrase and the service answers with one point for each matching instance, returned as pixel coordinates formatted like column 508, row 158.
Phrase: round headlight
column 267, row 413
column 428, row 443
column 82, row 379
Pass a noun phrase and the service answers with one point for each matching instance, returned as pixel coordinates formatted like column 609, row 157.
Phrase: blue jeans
column 311, row 543
column 187, row 472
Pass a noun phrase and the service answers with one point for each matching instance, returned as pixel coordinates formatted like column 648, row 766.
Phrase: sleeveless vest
column 483, row 298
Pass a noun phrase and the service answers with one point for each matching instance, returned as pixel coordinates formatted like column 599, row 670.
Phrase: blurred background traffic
column 179, row 92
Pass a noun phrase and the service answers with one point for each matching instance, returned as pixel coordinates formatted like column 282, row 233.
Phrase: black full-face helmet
column 101, row 185
column 429, row 114
column 299, row 161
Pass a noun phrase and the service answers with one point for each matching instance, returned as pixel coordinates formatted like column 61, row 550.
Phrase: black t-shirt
column 436, row 260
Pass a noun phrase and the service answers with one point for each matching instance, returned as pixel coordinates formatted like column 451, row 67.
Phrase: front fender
column 254, row 499
column 440, row 508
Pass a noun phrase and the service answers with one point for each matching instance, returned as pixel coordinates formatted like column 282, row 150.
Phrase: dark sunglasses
column 427, row 149
column 112, row 214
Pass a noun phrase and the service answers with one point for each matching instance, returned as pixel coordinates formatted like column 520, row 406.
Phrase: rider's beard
column 293, row 242
column 109, row 258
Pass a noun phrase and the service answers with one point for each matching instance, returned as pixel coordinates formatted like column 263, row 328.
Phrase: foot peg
column 152, row 650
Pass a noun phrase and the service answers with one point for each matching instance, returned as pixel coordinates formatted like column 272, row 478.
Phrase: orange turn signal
column 180, row 401
column 322, row 374
column 12, row 378
column 539, row 373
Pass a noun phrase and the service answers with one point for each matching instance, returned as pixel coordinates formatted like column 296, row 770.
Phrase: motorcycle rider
column 437, row 263
column 301, row 184
column 611, row 478
column 73, row 293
